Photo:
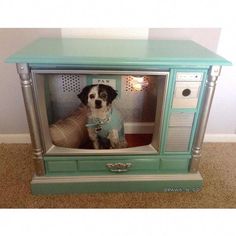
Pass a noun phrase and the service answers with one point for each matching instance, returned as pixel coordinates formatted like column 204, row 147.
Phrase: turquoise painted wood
column 109, row 186
column 61, row 166
column 170, row 109
column 67, row 165
column 174, row 165
column 168, row 55
column 167, row 110
column 107, row 52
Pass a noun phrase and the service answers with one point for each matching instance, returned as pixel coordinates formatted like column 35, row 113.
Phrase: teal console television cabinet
column 165, row 92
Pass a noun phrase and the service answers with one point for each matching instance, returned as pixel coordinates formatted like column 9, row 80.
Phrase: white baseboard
column 220, row 138
column 15, row 138
column 209, row 138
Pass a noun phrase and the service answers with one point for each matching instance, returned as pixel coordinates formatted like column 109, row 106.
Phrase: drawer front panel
column 178, row 139
column 134, row 165
column 166, row 164
column 181, row 119
column 77, row 167
column 186, row 94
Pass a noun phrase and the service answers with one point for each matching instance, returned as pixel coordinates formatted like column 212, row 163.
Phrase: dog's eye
column 92, row 96
column 103, row 95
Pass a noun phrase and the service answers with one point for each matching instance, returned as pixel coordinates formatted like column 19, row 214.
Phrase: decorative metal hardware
column 118, row 167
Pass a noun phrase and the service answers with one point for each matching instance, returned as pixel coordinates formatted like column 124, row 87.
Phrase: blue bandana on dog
column 103, row 127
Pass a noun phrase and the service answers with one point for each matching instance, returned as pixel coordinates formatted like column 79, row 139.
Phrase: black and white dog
column 105, row 125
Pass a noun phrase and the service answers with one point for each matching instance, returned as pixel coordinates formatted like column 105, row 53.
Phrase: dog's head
column 97, row 96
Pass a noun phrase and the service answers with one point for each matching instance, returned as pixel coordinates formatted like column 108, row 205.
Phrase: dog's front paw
column 93, row 137
column 114, row 138
column 96, row 144
column 123, row 144
column 115, row 145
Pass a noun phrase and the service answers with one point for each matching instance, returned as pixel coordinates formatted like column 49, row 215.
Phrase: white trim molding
column 15, row 138
column 220, row 138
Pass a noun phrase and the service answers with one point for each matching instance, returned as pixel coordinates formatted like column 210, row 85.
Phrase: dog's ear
column 112, row 94
column 83, row 95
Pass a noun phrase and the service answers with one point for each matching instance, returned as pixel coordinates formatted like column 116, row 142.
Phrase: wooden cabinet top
column 116, row 52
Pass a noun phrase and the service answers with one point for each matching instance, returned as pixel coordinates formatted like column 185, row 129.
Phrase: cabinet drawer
column 115, row 166
column 77, row 167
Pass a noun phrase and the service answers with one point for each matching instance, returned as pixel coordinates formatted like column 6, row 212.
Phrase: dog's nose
column 98, row 103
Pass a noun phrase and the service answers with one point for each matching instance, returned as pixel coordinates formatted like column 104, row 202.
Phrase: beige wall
column 121, row 33
column 222, row 118
column 12, row 111
column 207, row 37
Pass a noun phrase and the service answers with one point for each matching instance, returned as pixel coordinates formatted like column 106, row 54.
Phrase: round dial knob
column 186, row 92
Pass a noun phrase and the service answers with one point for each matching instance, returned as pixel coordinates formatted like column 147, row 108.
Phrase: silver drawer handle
column 118, row 167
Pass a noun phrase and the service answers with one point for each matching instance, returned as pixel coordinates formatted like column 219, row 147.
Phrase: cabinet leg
column 210, row 86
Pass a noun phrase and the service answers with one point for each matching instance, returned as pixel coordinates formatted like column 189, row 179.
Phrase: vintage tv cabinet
column 192, row 74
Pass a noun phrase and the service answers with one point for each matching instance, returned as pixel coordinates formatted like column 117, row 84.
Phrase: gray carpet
column 218, row 168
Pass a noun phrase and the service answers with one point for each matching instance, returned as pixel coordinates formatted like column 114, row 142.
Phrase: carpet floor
column 218, row 168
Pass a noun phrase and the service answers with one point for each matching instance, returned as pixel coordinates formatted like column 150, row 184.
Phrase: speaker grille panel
column 70, row 83
column 181, row 119
column 178, row 139
column 129, row 84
